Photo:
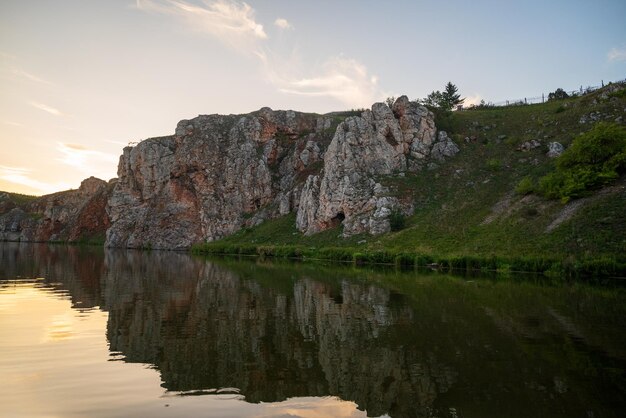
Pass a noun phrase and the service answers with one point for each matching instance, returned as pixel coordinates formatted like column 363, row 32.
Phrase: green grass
column 20, row 199
column 454, row 223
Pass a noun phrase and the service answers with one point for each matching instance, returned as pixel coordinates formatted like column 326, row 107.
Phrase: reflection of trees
column 203, row 326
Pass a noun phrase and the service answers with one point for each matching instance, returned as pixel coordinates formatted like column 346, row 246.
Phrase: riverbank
column 553, row 267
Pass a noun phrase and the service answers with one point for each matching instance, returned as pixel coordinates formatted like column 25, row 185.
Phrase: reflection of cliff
column 411, row 346
column 72, row 268
column 205, row 327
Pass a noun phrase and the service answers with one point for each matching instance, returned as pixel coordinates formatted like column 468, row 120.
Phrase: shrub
column 525, row 186
column 619, row 93
column 493, row 164
column 594, row 159
column 396, row 220
column 558, row 94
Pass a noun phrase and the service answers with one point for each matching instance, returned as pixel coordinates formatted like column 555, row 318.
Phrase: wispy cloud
column 31, row 77
column 85, row 160
column 617, row 54
column 343, row 79
column 23, row 177
column 46, row 108
column 7, row 122
column 231, row 22
column 7, row 56
column 472, row 100
column 283, row 23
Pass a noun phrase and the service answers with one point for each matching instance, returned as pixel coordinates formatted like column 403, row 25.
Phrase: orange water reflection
column 55, row 363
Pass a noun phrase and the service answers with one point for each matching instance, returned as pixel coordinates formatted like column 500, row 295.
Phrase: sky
column 81, row 79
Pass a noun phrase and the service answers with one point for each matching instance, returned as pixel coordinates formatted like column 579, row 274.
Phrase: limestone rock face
column 444, row 147
column 71, row 215
column 215, row 175
column 380, row 142
column 219, row 173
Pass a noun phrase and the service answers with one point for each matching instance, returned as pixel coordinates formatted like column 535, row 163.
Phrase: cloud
column 282, row 23
column 76, row 147
column 617, row 54
column 85, row 160
column 46, row 108
column 21, row 176
column 343, row 79
column 7, row 122
column 232, row 22
column 31, row 77
column 472, row 100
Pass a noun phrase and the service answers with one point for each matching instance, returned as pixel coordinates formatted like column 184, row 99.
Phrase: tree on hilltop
column 558, row 94
column 446, row 100
column 451, row 96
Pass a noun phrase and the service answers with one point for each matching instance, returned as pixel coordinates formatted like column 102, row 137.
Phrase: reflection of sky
column 55, row 362
column 99, row 75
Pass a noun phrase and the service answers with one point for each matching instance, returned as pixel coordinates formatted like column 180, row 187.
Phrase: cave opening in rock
column 337, row 220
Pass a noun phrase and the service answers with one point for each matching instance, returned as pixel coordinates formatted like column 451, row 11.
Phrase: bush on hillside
column 396, row 220
column 593, row 160
column 525, row 186
column 494, row 164
column 558, row 94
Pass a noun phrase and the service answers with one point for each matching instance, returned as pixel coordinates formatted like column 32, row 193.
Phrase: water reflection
column 273, row 335
column 395, row 344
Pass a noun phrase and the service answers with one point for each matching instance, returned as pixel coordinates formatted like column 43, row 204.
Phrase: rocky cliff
column 73, row 215
column 217, row 174
column 380, row 142
column 220, row 173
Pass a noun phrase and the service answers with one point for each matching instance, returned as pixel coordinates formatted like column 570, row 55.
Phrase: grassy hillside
column 469, row 206
column 16, row 199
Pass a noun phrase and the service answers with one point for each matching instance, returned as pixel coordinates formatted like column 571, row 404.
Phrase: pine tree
column 445, row 100
column 451, row 97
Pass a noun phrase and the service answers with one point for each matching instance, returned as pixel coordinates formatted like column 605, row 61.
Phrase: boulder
column 555, row 149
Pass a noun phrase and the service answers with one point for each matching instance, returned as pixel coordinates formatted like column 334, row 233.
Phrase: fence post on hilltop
column 525, row 101
column 542, row 98
column 602, row 81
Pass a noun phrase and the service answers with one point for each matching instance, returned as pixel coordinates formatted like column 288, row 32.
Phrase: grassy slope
column 18, row 199
column 453, row 201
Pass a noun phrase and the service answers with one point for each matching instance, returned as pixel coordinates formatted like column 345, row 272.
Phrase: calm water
column 94, row 333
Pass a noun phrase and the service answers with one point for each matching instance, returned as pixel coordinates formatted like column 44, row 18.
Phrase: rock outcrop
column 73, row 215
column 555, row 149
column 380, row 142
column 215, row 175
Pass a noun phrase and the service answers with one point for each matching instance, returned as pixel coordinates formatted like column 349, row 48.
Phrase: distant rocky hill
column 73, row 215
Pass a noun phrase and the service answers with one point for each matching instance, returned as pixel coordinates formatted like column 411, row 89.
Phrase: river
column 88, row 332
